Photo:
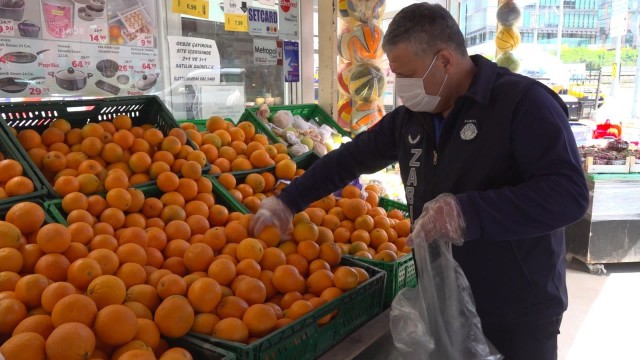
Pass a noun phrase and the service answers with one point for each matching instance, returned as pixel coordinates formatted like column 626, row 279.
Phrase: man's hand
column 442, row 219
column 272, row 212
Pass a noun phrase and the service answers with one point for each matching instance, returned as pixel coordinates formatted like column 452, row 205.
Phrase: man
column 489, row 162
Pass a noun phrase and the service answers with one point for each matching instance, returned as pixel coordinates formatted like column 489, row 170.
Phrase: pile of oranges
column 12, row 183
column 359, row 227
column 128, row 270
column 258, row 186
column 78, row 159
column 231, row 148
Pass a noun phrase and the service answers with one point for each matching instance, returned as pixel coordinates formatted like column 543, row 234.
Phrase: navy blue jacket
column 507, row 152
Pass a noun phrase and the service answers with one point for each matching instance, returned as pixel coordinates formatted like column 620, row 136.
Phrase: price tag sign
column 196, row 8
column 7, row 28
column 236, row 22
column 145, row 40
column 98, row 36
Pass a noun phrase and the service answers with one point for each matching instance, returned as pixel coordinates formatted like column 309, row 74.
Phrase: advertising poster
column 289, row 19
column 263, row 22
column 265, row 51
column 78, row 48
column 226, row 101
column 194, row 60
column 291, row 61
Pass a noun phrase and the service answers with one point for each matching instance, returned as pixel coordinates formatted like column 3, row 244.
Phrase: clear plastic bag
column 437, row 320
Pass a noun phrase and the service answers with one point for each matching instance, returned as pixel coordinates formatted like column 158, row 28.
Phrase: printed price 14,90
column 98, row 38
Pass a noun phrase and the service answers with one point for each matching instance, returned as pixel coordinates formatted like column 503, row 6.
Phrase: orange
column 51, row 136
column 26, row 216
column 53, row 238
column 364, row 222
column 171, row 284
column 248, row 267
column 107, row 260
column 96, row 204
column 8, row 280
column 216, row 122
column 115, row 325
column 107, row 290
column 252, row 291
column 148, row 333
column 29, row 290
column 66, row 184
column 70, row 341
column 139, row 162
column 132, row 252
column 132, row 274
column 114, row 217
column 82, row 271
column 305, row 230
column 319, row 280
column 198, row 257
column 289, row 298
column 351, row 192
column 28, row 345
column 191, row 170
column 10, row 260
column 204, row 294
column 89, row 183
column 74, row 308
column 116, row 179
column 287, row 278
column 231, row 306
column 260, row 158
column 188, row 188
column 29, row 139
column 174, row 316
column 12, row 312
column 298, row 309
column 90, row 166
column 250, row 248
column 309, row 250
column 54, row 161
column 103, row 241
column 403, row 228
column 145, row 294
column 231, row 329
column 345, row 278
column 235, row 232
column 18, row 185
column 40, row 324
column 260, row 320
column 330, row 252
column 272, row 258
column 223, row 271
column 171, row 144
column 9, row 235
column 286, row 169
column 9, row 168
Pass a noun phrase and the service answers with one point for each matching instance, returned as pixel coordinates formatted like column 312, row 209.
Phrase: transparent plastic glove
column 272, row 212
column 441, row 218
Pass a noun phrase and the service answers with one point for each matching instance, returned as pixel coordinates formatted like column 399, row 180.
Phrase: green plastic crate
column 201, row 350
column 304, row 338
column 38, row 116
column 308, row 112
column 303, row 161
column 400, row 273
column 40, row 190
column 54, row 207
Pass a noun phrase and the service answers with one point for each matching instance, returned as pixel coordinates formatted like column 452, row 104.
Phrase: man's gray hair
column 425, row 28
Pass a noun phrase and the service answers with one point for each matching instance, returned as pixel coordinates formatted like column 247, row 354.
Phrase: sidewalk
column 603, row 319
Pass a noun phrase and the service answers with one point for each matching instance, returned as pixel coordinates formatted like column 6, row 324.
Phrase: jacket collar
column 482, row 83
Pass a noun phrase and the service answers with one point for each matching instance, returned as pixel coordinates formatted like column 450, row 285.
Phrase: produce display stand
column 39, row 115
column 305, row 338
column 623, row 168
column 40, row 184
column 400, row 273
column 634, row 165
column 610, row 230
column 200, row 349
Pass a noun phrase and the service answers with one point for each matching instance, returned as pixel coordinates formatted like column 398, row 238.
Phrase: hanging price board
column 197, row 8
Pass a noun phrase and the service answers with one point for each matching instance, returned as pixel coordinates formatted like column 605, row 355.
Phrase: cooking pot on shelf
column 146, row 82
column 22, row 57
column 12, row 9
column 14, row 85
column 28, row 29
column 107, row 67
column 71, row 79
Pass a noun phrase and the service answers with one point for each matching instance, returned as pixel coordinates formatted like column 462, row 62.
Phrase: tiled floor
column 603, row 319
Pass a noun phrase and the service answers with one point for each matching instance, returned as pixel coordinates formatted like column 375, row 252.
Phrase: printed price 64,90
column 148, row 66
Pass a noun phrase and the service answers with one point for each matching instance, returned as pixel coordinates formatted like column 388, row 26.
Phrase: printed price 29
column 36, row 91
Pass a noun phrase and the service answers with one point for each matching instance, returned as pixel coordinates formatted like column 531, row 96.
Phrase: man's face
column 405, row 64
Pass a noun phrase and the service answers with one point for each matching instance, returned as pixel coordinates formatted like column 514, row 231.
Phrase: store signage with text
column 263, row 22
column 194, row 60
column 265, row 51
column 289, row 19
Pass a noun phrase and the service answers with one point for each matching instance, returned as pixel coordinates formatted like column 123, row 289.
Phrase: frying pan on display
column 22, row 57
column 14, row 85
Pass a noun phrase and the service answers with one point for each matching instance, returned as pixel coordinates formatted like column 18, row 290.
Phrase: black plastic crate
column 38, row 116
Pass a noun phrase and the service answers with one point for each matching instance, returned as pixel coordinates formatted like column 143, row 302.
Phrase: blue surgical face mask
column 411, row 92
